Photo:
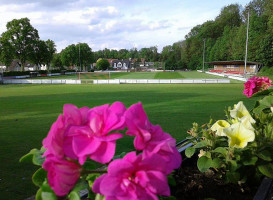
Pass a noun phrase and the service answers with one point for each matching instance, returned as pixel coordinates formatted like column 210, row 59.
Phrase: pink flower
column 134, row 178
column 166, row 149
column 256, row 84
column 93, row 139
column 151, row 139
column 139, row 126
column 84, row 132
column 55, row 140
column 62, row 174
column 266, row 83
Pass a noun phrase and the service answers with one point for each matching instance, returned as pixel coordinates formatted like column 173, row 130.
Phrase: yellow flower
column 246, row 121
column 271, row 108
column 240, row 112
column 239, row 135
column 219, row 126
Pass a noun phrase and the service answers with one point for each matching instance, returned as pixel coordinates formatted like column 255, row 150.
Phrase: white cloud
column 112, row 23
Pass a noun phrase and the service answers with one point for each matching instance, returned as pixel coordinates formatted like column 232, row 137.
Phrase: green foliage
column 16, row 73
column 237, row 163
column 22, row 37
column 39, row 177
column 45, row 193
column 35, row 156
column 102, row 64
column 85, row 57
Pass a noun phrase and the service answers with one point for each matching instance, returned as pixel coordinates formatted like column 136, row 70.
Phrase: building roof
column 232, row 62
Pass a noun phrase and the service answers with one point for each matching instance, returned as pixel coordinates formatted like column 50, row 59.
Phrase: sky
column 113, row 24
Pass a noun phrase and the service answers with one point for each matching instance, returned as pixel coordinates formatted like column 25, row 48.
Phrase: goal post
column 94, row 75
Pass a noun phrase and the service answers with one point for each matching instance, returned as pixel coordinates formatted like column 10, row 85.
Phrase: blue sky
column 113, row 24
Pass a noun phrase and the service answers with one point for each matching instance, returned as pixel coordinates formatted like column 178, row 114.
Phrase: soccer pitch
column 28, row 111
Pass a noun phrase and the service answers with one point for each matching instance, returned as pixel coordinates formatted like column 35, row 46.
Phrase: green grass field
column 27, row 112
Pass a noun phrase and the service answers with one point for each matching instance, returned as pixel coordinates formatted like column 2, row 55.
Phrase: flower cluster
column 256, row 84
column 238, row 149
column 240, row 132
column 81, row 134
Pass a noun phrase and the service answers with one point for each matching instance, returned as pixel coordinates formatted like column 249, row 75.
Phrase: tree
column 51, row 50
column 85, row 56
column 40, row 53
column 102, row 64
column 56, row 61
column 6, row 52
column 70, row 55
column 22, row 37
column 266, row 51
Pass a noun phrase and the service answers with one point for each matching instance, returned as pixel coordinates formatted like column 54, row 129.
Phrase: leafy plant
column 239, row 148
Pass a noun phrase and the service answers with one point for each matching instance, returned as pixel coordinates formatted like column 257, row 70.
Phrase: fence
column 114, row 81
column 159, row 81
column 41, row 81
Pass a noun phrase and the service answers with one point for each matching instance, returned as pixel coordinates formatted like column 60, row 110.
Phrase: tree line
column 223, row 38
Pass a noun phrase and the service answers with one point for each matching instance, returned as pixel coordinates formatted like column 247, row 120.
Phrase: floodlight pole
column 204, row 40
column 80, row 55
column 246, row 40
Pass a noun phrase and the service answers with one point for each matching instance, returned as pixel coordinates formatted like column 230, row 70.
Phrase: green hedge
column 55, row 71
column 16, row 73
column 42, row 71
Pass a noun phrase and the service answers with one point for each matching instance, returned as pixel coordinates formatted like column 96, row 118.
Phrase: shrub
column 16, row 73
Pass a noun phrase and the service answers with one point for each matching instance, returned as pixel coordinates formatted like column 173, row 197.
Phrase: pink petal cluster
column 82, row 133
column 62, row 174
column 151, row 139
column 256, row 84
column 134, row 178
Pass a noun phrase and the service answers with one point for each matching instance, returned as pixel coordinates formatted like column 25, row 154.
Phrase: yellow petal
column 239, row 135
column 240, row 111
column 219, row 126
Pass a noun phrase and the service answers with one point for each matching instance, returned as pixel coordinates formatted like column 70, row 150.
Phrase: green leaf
column 216, row 163
column 266, row 102
column 80, row 185
column 99, row 197
column 251, row 161
column 38, row 195
column 48, row 196
column 220, row 150
column 171, row 180
column 47, row 192
column 91, row 165
column 91, row 178
column 233, row 165
column 28, row 156
column 266, row 169
column 119, row 156
column 39, row 177
column 74, row 196
column 38, row 159
column 201, row 144
column 262, row 93
column 35, row 155
column 204, row 163
column 189, row 152
column 233, row 177
column 167, row 198
column 265, row 155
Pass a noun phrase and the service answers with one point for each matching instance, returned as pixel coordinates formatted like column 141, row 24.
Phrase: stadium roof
column 232, row 62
